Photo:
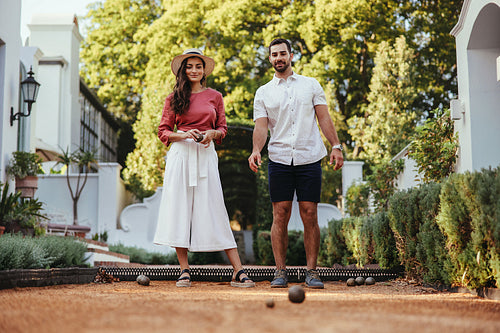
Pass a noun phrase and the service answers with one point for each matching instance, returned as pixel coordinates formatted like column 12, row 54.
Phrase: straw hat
column 209, row 62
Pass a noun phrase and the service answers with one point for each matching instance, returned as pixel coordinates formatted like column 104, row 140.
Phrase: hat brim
column 177, row 61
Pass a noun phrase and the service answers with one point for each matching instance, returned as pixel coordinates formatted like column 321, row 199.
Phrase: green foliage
column 385, row 252
column 469, row 218
column 19, row 214
column 333, row 41
column 333, row 248
column 19, row 252
column 295, row 253
column 331, row 181
column 419, row 241
column 23, row 164
column 8, row 202
column 141, row 256
column 357, row 200
column 382, row 182
column 389, row 120
column 263, row 249
column 434, row 147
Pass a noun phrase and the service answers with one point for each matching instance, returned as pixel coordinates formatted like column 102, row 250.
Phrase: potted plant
column 25, row 166
column 18, row 214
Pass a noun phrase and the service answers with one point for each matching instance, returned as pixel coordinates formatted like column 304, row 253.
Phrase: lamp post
column 30, row 91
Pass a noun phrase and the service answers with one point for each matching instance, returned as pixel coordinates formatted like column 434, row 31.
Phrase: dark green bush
column 469, row 218
column 295, row 254
column 264, row 255
column 333, row 248
column 19, row 252
column 357, row 200
column 405, row 223
column 385, row 252
column 141, row 256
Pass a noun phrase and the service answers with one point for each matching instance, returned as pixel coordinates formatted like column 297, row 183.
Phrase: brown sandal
column 242, row 282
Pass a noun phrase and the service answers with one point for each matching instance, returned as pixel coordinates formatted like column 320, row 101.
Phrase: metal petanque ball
column 369, row 281
column 360, row 280
column 296, row 294
column 143, row 280
column 351, row 282
column 270, row 303
column 199, row 137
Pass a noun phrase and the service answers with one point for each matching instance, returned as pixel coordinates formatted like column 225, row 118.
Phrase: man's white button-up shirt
column 289, row 107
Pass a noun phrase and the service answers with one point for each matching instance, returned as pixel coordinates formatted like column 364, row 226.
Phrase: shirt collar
column 277, row 80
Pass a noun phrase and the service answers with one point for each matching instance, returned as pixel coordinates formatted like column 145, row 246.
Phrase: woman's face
column 194, row 70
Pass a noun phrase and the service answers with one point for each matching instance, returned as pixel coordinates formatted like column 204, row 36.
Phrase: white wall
column 99, row 206
column 10, row 44
column 57, row 35
column 478, row 46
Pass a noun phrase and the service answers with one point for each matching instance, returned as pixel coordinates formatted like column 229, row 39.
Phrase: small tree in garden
column 434, row 147
column 83, row 160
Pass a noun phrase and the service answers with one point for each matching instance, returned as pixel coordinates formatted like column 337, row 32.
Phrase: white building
column 10, row 78
column 477, row 110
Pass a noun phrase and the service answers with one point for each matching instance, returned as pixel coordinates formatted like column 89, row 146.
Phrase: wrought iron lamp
column 30, row 91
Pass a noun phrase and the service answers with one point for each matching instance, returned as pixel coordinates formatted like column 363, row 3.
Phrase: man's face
column 280, row 58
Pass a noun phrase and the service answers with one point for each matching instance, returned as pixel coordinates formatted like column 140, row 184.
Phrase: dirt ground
column 394, row 306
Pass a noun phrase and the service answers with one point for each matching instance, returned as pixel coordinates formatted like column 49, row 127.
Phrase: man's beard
column 281, row 69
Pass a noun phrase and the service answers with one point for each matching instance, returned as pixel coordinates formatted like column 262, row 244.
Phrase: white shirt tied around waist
column 197, row 159
column 289, row 106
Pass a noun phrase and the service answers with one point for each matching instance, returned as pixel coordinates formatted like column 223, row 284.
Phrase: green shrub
column 333, row 248
column 264, row 211
column 264, row 254
column 141, row 256
column 295, row 254
column 19, row 252
column 385, row 252
column 357, row 200
column 469, row 218
column 64, row 251
column 405, row 223
column 351, row 229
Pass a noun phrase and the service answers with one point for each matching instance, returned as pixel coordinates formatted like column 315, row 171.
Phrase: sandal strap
column 185, row 277
column 237, row 277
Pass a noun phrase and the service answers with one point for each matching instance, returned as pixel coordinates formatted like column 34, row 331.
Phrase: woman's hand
column 194, row 134
column 209, row 136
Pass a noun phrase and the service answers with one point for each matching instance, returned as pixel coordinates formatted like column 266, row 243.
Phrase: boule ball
column 199, row 137
column 351, row 282
column 360, row 280
column 143, row 280
column 270, row 303
column 296, row 294
column 369, row 281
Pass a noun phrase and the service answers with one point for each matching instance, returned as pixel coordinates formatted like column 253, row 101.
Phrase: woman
column 192, row 214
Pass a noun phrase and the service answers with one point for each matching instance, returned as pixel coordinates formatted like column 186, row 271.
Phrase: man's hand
column 336, row 155
column 254, row 161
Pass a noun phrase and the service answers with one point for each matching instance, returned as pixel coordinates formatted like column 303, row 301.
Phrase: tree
column 388, row 123
column 333, row 41
column 434, row 147
column 84, row 161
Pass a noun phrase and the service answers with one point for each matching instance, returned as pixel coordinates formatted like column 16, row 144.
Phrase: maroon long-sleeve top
column 206, row 111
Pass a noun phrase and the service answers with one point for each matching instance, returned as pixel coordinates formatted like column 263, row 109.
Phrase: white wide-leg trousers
column 192, row 211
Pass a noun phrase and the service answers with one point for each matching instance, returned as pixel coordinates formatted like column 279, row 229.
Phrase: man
column 289, row 106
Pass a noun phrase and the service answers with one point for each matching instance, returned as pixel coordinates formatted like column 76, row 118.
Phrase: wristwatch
column 339, row 147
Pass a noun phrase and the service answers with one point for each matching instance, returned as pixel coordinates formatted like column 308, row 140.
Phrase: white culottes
column 192, row 211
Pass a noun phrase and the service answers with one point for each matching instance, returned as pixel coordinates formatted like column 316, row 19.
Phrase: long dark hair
column 182, row 90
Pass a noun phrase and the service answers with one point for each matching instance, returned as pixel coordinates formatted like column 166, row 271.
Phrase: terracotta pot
column 27, row 186
column 2, row 229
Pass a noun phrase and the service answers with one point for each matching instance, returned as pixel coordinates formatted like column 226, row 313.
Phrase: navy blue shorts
column 284, row 180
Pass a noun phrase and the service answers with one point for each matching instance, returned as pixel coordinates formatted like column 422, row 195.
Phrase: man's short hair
column 281, row 41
